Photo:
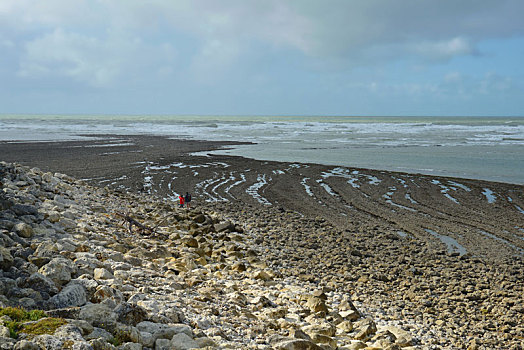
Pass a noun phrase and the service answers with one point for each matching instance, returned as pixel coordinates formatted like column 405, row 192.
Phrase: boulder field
column 127, row 271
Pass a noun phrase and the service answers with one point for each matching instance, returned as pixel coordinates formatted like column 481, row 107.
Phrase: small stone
column 72, row 295
column 205, row 342
column 199, row 219
column 46, row 341
column 59, row 270
column 316, row 305
column 262, row 275
column 99, row 315
column 345, row 326
column 130, row 346
column 190, row 242
column 403, row 338
column 7, row 343
column 99, row 333
column 350, row 315
column 21, row 210
column 323, row 328
column 239, row 266
column 4, row 332
column 356, row 346
column 105, row 292
column 101, row 344
column 296, row 344
column 52, row 216
column 23, row 230
column 26, row 345
column 163, row 344
column 224, row 226
column 102, row 274
column 364, row 328
column 182, row 341
column 299, row 334
column 6, row 260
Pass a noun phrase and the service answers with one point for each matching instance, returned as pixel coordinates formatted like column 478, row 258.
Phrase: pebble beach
column 270, row 256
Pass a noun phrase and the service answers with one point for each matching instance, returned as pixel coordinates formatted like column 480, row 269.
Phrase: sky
column 262, row 57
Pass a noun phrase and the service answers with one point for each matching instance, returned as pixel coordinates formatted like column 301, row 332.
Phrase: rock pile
column 193, row 280
column 444, row 300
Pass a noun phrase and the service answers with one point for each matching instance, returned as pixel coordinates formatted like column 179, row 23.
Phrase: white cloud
column 77, row 56
column 213, row 60
column 99, row 62
column 27, row 15
column 493, row 83
column 445, row 49
column 6, row 43
column 453, row 77
column 98, row 41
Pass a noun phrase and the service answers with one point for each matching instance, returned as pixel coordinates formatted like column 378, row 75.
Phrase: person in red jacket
column 181, row 199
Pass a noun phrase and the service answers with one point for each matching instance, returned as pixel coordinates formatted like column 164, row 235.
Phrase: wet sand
column 442, row 255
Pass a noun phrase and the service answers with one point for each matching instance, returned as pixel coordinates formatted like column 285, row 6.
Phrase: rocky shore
column 272, row 255
column 161, row 278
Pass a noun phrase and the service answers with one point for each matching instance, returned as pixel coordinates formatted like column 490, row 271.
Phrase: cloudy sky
column 262, row 57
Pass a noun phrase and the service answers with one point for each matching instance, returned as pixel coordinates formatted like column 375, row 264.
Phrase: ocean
column 486, row 148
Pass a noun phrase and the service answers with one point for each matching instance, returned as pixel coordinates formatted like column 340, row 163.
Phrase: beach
column 440, row 257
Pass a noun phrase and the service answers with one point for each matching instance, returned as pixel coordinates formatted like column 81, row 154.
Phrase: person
column 181, row 199
column 187, row 199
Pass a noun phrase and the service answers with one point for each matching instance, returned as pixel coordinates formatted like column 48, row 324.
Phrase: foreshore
column 438, row 258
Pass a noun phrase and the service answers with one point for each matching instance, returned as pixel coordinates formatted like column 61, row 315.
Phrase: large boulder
column 224, row 226
column 364, row 328
column 182, row 341
column 72, row 295
column 316, row 304
column 6, row 259
column 6, row 285
column 46, row 341
column 4, row 332
column 86, row 263
column 296, row 344
column 164, row 331
column 23, row 230
column 161, row 312
column 59, row 270
column 101, row 273
column 46, row 248
column 130, row 314
column 90, row 285
column 7, row 343
column 22, row 209
column 42, row 284
column 99, row 315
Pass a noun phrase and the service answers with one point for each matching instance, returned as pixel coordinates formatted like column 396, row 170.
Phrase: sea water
column 488, row 148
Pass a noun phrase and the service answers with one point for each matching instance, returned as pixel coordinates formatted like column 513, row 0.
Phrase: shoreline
column 199, row 148
column 439, row 210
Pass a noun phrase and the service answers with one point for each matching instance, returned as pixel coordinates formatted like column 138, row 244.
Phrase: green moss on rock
column 33, row 322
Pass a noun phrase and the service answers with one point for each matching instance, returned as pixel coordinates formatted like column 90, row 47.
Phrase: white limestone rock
column 102, row 274
column 59, row 270
column 70, row 296
column 182, row 341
